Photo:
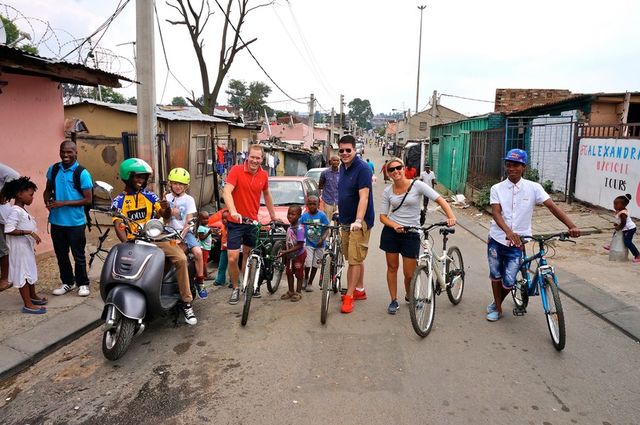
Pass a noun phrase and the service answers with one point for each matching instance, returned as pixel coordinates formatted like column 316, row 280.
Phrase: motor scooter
column 136, row 283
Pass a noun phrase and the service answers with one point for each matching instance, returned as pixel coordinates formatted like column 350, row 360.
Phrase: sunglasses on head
column 396, row 168
column 344, row 150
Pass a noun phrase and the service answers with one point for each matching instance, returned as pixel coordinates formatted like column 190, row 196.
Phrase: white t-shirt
column 428, row 178
column 180, row 207
column 517, row 202
column 5, row 210
column 409, row 213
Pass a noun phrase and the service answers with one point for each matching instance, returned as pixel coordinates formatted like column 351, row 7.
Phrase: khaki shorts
column 355, row 244
column 329, row 210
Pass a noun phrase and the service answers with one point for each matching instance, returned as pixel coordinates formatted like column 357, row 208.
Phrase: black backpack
column 76, row 185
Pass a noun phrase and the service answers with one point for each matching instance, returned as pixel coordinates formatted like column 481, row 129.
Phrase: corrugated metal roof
column 186, row 113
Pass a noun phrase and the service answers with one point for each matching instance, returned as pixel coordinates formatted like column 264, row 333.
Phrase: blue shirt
column 329, row 179
column 352, row 179
column 64, row 191
column 313, row 234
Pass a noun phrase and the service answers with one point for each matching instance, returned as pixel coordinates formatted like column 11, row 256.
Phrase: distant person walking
column 67, row 193
column 384, row 146
column 355, row 208
column 328, row 184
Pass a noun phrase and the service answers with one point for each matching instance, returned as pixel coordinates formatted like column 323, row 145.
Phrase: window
column 203, row 156
column 423, row 126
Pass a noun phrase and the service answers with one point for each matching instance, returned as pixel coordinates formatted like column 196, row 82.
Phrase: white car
column 314, row 173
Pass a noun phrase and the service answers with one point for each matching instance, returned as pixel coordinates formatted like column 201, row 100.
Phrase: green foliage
column 360, row 111
column 531, row 174
column 178, row 101
column 482, row 198
column 132, row 100
column 547, row 185
column 251, row 98
column 14, row 35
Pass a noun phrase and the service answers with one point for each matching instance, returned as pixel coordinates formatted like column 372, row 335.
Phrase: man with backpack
column 68, row 192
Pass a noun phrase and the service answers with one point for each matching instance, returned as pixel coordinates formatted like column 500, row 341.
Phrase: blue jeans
column 504, row 262
column 627, row 236
column 221, row 278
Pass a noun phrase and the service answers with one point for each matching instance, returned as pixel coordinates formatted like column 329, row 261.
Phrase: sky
column 368, row 49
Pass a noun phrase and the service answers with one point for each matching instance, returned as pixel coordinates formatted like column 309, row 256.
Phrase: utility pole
column 312, row 102
column 434, row 111
column 146, row 145
column 419, row 54
column 341, row 115
column 333, row 120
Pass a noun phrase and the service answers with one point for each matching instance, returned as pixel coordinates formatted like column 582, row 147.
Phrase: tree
column 15, row 36
column 195, row 20
column 178, row 101
column 132, row 100
column 360, row 111
column 251, row 98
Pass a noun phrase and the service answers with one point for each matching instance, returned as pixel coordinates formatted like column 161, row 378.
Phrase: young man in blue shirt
column 355, row 209
column 67, row 217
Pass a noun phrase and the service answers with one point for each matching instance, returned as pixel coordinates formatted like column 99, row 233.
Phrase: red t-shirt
column 247, row 188
column 410, row 172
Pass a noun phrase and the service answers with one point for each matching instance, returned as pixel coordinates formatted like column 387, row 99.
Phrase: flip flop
column 40, row 301
column 6, row 287
column 287, row 295
column 28, row 310
column 296, row 297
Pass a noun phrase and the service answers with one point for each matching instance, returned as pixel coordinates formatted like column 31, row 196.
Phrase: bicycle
column 544, row 284
column 262, row 262
column 331, row 269
column 449, row 273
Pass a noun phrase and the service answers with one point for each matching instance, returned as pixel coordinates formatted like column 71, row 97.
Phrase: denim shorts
column 240, row 234
column 504, row 262
column 191, row 241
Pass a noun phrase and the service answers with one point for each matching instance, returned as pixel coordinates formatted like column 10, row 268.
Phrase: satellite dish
column 3, row 35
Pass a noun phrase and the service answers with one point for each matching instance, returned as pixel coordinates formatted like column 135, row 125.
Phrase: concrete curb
column 20, row 352
column 624, row 317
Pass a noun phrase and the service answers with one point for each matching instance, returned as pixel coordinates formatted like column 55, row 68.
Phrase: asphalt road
column 368, row 367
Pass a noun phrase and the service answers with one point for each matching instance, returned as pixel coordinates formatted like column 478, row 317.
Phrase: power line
column 254, row 58
column 104, row 26
column 467, row 98
column 166, row 60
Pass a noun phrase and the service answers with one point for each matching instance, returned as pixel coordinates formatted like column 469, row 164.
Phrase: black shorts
column 240, row 234
column 405, row 244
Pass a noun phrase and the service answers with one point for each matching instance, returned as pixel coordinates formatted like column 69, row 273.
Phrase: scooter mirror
column 104, row 186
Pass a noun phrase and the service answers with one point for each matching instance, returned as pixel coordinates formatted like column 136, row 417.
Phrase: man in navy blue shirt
column 67, row 217
column 355, row 209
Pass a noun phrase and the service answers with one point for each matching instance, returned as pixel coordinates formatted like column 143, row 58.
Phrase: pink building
column 32, row 117
column 297, row 131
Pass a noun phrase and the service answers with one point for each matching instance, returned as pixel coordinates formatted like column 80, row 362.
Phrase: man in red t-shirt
column 243, row 187
column 410, row 172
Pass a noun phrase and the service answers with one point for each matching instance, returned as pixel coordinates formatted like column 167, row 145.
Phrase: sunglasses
column 344, row 150
column 392, row 169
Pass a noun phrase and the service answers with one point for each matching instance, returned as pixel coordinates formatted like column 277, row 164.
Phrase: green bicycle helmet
column 132, row 166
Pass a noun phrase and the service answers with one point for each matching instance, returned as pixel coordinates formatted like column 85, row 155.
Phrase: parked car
column 286, row 191
column 360, row 148
column 314, row 173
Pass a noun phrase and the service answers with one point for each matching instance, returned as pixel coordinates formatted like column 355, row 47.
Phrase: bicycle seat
column 446, row 231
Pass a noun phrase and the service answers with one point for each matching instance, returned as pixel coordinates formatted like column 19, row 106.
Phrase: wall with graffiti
column 608, row 168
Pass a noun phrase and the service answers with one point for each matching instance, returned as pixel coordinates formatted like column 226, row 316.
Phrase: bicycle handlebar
column 426, row 229
column 329, row 226
column 562, row 237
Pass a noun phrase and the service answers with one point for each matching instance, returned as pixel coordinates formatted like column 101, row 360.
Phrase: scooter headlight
column 154, row 228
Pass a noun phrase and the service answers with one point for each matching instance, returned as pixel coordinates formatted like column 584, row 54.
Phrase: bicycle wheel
column 336, row 271
column 422, row 301
column 454, row 268
column 519, row 292
column 325, row 279
column 555, row 314
column 248, row 293
column 277, row 268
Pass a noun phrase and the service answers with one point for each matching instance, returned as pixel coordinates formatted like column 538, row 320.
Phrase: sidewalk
column 610, row 290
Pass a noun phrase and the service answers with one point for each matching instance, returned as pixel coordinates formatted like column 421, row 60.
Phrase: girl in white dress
column 20, row 229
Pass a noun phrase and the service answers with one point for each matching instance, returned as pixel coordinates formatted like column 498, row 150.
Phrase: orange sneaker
column 359, row 295
column 347, row 304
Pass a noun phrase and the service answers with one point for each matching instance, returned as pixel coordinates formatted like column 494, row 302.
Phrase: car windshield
column 285, row 192
column 314, row 174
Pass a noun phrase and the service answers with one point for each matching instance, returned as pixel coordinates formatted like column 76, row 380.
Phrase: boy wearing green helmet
column 183, row 208
column 141, row 205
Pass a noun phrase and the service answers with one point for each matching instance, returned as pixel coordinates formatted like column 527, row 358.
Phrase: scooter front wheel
column 115, row 341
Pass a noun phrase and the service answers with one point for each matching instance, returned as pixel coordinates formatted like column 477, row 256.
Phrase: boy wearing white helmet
column 183, row 208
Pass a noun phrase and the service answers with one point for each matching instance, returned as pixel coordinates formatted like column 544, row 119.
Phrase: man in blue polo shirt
column 355, row 209
column 328, row 184
column 68, row 191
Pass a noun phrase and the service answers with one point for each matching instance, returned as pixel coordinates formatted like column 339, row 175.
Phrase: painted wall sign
column 608, row 168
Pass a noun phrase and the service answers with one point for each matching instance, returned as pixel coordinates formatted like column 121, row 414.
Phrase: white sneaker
column 189, row 316
column 84, row 291
column 64, row 289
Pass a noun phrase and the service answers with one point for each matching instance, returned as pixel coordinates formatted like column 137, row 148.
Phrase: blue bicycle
column 543, row 282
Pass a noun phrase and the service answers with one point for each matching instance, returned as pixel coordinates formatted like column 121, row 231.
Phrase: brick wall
column 511, row 100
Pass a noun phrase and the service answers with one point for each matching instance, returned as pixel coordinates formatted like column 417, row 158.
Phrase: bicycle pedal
column 517, row 311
